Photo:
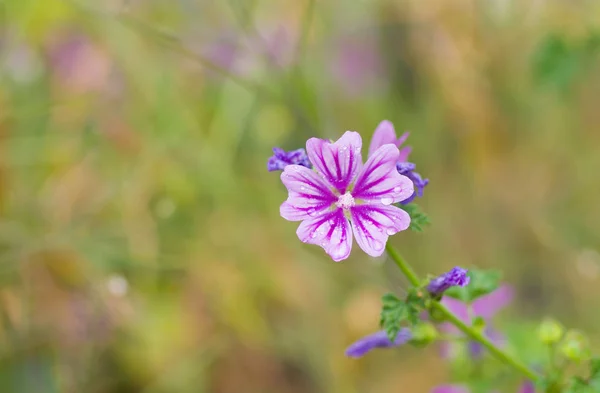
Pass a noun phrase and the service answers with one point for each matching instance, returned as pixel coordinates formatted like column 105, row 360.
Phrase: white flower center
column 345, row 201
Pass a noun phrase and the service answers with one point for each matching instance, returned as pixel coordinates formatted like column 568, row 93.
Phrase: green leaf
column 556, row 62
column 578, row 385
column 393, row 312
column 549, row 384
column 418, row 219
column 482, row 283
column 595, row 367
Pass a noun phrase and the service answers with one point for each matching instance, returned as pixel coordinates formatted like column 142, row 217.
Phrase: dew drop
column 397, row 189
column 377, row 245
column 390, row 231
column 387, row 200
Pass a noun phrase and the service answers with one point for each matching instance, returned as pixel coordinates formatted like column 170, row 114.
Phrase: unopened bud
column 575, row 346
column 550, row 331
column 424, row 333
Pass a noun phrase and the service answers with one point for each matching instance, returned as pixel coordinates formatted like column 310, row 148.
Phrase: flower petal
column 338, row 162
column 458, row 308
column 377, row 340
column 487, row 306
column 373, row 224
column 384, row 134
column 330, row 230
column 404, row 153
column 308, row 193
column 379, row 180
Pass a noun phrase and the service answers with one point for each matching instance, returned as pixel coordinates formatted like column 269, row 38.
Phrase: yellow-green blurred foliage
column 141, row 248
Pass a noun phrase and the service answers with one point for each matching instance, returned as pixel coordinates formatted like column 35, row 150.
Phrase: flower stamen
column 345, row 201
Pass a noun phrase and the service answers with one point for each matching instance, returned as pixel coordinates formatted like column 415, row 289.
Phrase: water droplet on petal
column 390, row 231
column 387, row 200
column 377, row 245
column 397, row 189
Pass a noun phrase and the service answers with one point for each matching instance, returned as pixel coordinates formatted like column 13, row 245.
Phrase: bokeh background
column 141, row 247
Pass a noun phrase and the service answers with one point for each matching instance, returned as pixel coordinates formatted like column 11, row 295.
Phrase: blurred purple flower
column 450, row 389
column 526, row 387
column 223, row 51
column 377, row 340
column 485, row 307
column 278, row 47
column 455, row 277
column 243, row 55
column 357, row 65
column 342, row 197
column 384, row 134
column 79, row 64
column 281, row 158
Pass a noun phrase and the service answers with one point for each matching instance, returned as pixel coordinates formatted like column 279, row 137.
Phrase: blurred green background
column 141, row 248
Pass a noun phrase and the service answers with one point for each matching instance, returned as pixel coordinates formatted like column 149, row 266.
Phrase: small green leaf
column 549, row 384
column 578, row 385
column 594, row 380
column 393, row 312
column 482, row 283
column 556, row 62
column 418, row 219
column 595, row 367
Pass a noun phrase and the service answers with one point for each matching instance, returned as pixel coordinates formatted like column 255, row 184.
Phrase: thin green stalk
column 476, row 336
column 466, row 329
column 405, row 267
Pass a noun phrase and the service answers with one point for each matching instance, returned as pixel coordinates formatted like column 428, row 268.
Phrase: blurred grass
column 133, row 142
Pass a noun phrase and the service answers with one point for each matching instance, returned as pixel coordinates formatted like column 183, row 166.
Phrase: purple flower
column 485, row 307
column 385, row 133
column 282, row 158
column 526, row 387
column 377, row 340
column 356, row 64
column 455, row 277
column 408, row 169
column 341, row 196
column 450, row 389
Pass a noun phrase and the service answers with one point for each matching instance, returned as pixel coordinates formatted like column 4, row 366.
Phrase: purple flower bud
column 377, row 340
column 408, row 169
column 282, row 158
column 455, row 277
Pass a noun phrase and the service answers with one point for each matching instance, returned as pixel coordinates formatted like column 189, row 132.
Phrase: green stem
column 405, row 267
column 481, row 339
column 463, row 327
